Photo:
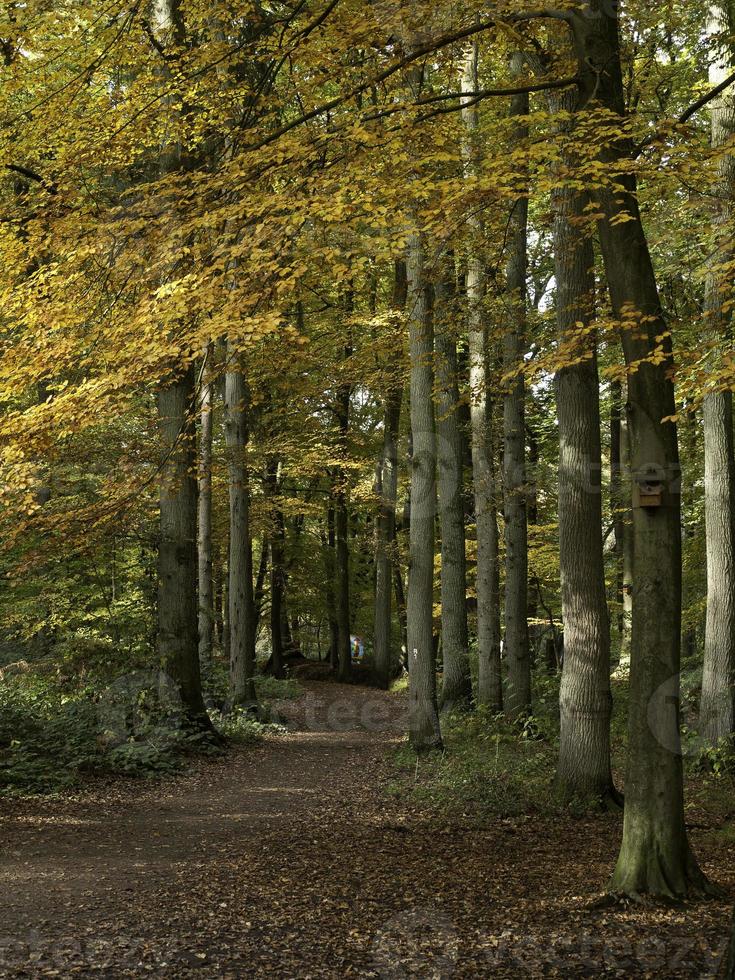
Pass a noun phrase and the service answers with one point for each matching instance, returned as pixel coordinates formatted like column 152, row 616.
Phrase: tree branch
column 472, row 98
column 31, row 175
column 705, row 99
column 688, row 113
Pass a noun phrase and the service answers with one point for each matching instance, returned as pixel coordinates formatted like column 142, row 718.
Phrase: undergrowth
column 491, row 766
column 53, row 737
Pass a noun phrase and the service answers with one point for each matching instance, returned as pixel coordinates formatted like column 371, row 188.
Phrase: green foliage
column 271, row 689
column 485, row 766
column 51, row 741
column 717, row 761
column 241, row 727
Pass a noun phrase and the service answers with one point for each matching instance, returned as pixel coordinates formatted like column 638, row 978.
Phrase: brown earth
column 291, row 859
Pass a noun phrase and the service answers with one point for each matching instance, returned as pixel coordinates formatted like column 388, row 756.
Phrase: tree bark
column 518, row 699
column 424, row 730
column 717, row 709
column 585, row 698
column 457, row 678
column 655, row 857
column 178, row 635
column 204, row 541
column 330, row 580
column 342, row 545
column 400, row 593
column 240, row 591
column 729, row 973
column 178, row 645
column 616, row 500
column 386, row 523
column 278, row 574
column 489, row 689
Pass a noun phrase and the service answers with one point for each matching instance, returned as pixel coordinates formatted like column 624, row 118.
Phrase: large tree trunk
column 584, row 699
column 457, row 678
column 178, row 636
column 204, row 541
column 386, row 523
column 178, row 646
column 489, row 687
column 655, row 857
column 240, row 591
column 717, row 715
column 518, row 700
column 424, row 715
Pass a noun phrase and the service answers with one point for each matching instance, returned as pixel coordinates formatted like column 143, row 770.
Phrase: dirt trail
column 291, row 859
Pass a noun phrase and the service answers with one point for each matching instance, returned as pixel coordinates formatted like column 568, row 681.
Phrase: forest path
column 291, row 859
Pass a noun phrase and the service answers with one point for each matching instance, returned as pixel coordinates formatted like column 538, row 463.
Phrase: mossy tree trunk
column 655, row 858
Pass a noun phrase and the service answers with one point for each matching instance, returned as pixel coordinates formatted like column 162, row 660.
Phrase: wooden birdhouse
column 648, row 490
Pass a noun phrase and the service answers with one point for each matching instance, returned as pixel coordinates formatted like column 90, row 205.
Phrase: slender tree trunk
column 655, row 857
column 204, row 542
column 518, row 700
column 259, row 594
column 457, row 679
column 717, row 712
column 386, row 523
column 278, row 573
column 218, row 626
column 240, row 591
column 489, row 689
column 616, row 498
column 178, row 646
column 330, row 579
column 400, row 599
column 585, row 699
column 424, row 715
column 628, row 546
column 341, row 512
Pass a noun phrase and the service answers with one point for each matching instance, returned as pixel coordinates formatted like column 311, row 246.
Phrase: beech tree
column 718, row 703
column 518, row 700
column 387, row 487
column 177, row 562
column 489, row 683
column 585, row 699
column 655, row 857
column 241, row 606
column 424, row 715
column 456, row 677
